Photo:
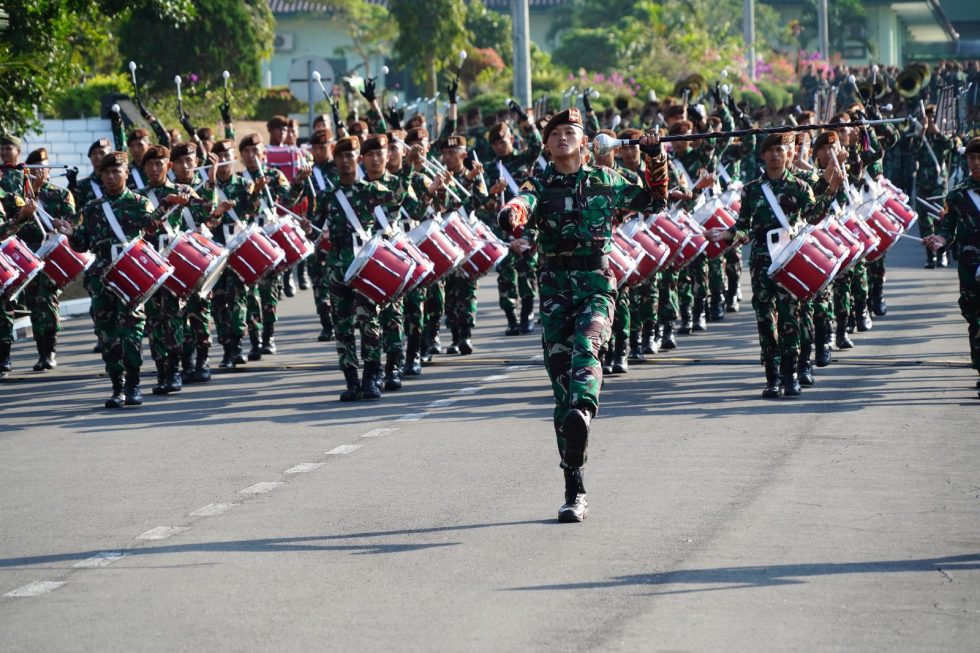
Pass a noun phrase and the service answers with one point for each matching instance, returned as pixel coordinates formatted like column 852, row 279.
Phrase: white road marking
column 495, row 377
column 518, row 368
column 212, row 510
column 161, row 532
column 261, row 488
column 343, row 450
column 103, row 559
column 441, row 403
column 302, row 468
column 472, row 390
column 539, row 357
column 377, row 433
column 36, row 588
column 411, row 417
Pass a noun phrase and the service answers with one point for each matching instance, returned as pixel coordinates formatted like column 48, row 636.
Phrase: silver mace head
column 225, row 75
column 603, row 144
column 177, row 82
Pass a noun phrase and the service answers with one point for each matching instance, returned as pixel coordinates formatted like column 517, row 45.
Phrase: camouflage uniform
column 10, row 204
column 413, row 306
column 571, row 217
column 692, row 280
column 961, row 222
column 228, row 302
column 317, row 264
column 460, row 298
column 928, row 181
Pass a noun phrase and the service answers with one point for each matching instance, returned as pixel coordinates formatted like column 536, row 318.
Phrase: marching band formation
column 626, row 228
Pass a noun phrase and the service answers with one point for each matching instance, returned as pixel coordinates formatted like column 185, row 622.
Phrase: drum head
column 363, row 256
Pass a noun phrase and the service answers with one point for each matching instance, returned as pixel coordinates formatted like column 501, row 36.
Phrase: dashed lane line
column 36, row 588
column 103, row 559
column 213, row 510
column 343, row 450
column 377, row 433
column 303, row 468
column 262, row 488
column 161, row 532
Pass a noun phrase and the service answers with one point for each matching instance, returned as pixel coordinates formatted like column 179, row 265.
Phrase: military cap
column 101, row 144
column 570, row 116
column 113, row 160
column 347, row 144
column 675, row 111
column 772, row 140
column 374, row 142
column 224, row 145
column 277, row 122
column 418, row 120
column 628, row 134
column 155, row 152
column 824, row 139
column 137, row 134
column 498, row 132
column 973, row 146
column 416, row 135
column 321, row 137
column 358, row 128
column 183, row 149
column 9, row 139
column 205, row 134
column 454, row 142
column 397, row 136
column 249, row 141
column 38, row 156
column 680, row 127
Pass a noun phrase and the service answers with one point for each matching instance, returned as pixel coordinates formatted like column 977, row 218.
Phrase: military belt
column 576, row 263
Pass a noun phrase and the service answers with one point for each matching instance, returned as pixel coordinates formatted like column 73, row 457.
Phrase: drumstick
column 315, row 228
column 905, row 235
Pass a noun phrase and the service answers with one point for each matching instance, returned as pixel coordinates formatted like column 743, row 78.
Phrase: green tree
column 490, row 29
column 842, row 16
column 370, row 28
column 431, row 34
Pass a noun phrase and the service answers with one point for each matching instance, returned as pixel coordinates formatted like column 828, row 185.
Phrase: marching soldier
column 15, row 212
column 323, row 178
column 569, row 209
column 931, row 178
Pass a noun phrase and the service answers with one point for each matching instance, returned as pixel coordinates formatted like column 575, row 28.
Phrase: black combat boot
column 117, row 400
column 620, row 365
column 804, row 368
column 930, row 259
column 238, row 356
column 227, row 357
column 717, row 307
column 697, row 319
column 46, row 357
column 774, row 385
column 821, row 337
column 687, row 323
column 133, row 396
column 842, row 341
column 454, row 347
column 606, row 356
column 413, row 362
column 731, row 296
column 158, row 389
column 465, row 342
column 527, row 315
column 304, row 280
column 863, row 319
column 393, row 372
column 187, row 367
column 287, row 283
column 576, row 506
column 254, row 354
column 326, row 324
column 667, row 340
column 575, row 430
column 268, row 339
column 5, row 367
column 174, row 380
column 791, row 382
column 636, row 351
column 370, row 390
column 651, row 337
column 353, row 391
column 513, row 328
column 876, row 300
column 202, row 372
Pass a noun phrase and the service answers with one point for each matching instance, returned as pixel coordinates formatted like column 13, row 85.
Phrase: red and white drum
column 137, row 273
column 24, row 259
column 379, row 272
column 635, row 252
column 888, row 229
column 860, row 230
column 697, row 242
column 287, row 233
column 855, row 247
column 673, row 235
column 323, row 243
column 252, row 254
column 287, row 158
column 825, row 238
column 62, row 264
column 656, row 253
column 715, row 215
column 895, row 191
column 438, row 247
column 9, row 274
column 902, row 212
column 804, row 267
column 732, row 199
column 491, row 253
column 621, row 263
column 462, row 234
column 197, row 263
column 424, row 269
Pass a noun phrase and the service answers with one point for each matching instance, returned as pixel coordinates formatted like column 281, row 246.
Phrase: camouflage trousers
column 165, row 325
column 414, row 311
column 6, row 321
column 460, row 301
column 41, row 297
column 812, row 312
column 197, row 330
column 316, row 266
column 692, row 281
column 353, row 312
column 263, row 302
column 716, row 276
column 620, row 332
column 928, row 222
column 517, row 279
column 876, row 275
column 970, row 301
column 851, row 291
column 119, row 328
column 669, row 301
column 393, row 327
column 576, row 318
column 733, row 266
column 229, row 306
column 435, row 305
column 777, row 315
column 643, row 304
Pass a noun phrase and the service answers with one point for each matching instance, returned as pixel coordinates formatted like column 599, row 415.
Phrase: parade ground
column 257, row 512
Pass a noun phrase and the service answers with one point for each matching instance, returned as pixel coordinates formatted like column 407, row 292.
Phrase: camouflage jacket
column 86, row 190
column 572, row 214
column 519, row 163
column 312, row 188
column 58, row 203
column 279, row 188
column 961, row 217
column 197, row 213
column 9, row 207
column 478, row 194
column 928, row 181
column 363, row 196
column 756, row 217
column 239, row 191
column 403, row 196
column 12, row 180
column 136, row 218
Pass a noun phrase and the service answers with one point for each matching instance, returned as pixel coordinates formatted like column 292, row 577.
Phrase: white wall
column 67, row 142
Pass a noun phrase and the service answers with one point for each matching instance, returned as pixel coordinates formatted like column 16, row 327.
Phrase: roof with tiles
column 311, row 6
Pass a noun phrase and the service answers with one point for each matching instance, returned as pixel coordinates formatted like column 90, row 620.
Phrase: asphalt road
column 259, row 513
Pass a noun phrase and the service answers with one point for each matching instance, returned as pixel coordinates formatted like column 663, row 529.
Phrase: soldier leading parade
column 620, row 235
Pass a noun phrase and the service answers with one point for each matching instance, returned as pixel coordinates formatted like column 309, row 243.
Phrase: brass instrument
column 690, row 87
column 911, row 81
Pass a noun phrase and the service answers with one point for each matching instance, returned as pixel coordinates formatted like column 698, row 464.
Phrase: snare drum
column 323, row 243
column 137, row 273
column 62, row 264
column 492, row 252
column 656, row 253
column 715, row 215
column 287, row 233
column 252, row 254
column 855, row 247
column 902, row 212
column 438, row 247
column 860, row 230
column 635, row 252
column 197, row 263
column 673, row 235
column 621, row 263
column 24, row 259
column 888, row 230
column 9, row 274
column 423, row 272
column 695, row 245
column 461, row 233
column 804, row 267
column 379, row 272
